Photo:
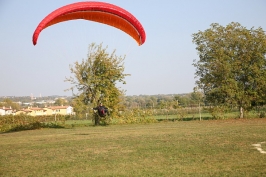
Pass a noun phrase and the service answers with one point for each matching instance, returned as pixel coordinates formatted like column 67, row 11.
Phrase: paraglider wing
column 95, row 11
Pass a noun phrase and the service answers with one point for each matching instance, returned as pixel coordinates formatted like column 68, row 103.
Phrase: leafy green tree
column 232, row 66
column 182, row 100
column 149, row 103
column 163, row 104
column 196, row 97
column 9, row 103
column 80, row 108
column 95, row 79
column 60, row 102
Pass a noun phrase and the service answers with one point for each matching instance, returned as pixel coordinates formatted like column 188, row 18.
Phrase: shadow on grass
column 32, row 126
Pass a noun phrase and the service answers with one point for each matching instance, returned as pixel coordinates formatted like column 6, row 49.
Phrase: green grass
column 181, row 148
column 78, row 123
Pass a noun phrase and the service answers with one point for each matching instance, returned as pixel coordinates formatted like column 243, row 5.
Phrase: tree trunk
column 241, row 111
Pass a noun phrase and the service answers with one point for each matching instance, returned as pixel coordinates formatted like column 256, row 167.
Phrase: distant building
column 32, row 111
column 54, row 110
column 27, row 104
column 6, row 111
column 62, row 110
column 50, row 101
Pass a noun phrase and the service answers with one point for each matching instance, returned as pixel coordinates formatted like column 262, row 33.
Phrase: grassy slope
column 206, row 148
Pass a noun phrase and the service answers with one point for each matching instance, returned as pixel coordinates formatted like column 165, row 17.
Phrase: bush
column 218, row 112
column 134, row 116
column 182, row 113
column 26, row 122
column 262, row 114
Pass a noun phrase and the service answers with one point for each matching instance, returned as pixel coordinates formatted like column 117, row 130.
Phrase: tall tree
column 95, row 78
column 231, row 69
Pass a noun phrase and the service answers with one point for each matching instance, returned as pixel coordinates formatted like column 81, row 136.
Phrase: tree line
column 230, row 73
column 163, row 101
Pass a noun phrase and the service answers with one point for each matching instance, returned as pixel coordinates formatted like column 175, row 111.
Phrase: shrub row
column 134, row 116
column 26, row 122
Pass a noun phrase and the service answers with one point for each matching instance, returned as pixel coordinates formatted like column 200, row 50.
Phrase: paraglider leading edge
column 101, row 12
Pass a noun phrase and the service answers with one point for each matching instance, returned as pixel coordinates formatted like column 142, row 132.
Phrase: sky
column 162, row 65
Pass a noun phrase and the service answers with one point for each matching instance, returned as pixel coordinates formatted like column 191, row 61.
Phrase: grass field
column 181, row 148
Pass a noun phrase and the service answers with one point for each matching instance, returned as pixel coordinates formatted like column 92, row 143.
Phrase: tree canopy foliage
column 60, row 102
column 9, row 103
column 161, row 101
column 96, row 77
column 231, row 69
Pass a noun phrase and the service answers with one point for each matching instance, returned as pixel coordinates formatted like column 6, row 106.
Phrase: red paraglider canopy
column 95, row 11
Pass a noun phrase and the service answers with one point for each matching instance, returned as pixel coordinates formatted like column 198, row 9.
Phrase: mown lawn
column 181, row 148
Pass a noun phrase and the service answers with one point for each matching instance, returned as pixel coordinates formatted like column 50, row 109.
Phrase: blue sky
column 163, row 65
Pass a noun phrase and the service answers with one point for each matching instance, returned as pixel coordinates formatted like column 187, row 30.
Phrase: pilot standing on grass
column 102, row 110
